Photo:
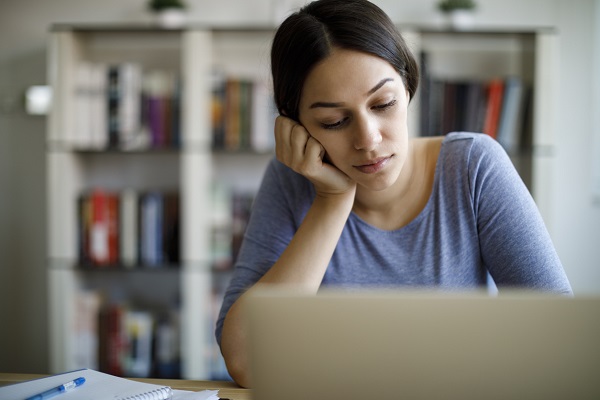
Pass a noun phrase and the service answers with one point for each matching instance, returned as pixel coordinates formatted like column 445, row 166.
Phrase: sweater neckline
column 423, row 213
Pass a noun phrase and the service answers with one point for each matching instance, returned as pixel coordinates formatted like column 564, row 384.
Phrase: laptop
column 422, row 345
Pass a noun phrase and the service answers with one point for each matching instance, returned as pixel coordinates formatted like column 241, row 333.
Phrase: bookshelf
column 479, row 57
column 174, row 71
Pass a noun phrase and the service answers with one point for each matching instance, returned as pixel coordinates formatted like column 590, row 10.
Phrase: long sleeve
column 515, row 244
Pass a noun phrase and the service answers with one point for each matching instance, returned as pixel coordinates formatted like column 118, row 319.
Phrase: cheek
column 334, row 150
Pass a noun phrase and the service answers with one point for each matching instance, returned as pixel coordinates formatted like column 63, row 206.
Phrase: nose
column 366, row 134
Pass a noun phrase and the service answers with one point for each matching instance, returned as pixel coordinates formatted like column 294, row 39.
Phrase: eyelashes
column 335, row 125
column 385, row 106
column 342, row 122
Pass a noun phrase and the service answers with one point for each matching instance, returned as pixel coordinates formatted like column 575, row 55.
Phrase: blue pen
column 57, row 390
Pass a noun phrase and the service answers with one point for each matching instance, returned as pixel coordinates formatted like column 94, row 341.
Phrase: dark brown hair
column 309, row 35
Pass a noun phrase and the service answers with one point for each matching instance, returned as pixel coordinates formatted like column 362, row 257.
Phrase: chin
column 377, row 184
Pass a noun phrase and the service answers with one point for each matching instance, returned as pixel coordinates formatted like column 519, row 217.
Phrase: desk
column 227, row 390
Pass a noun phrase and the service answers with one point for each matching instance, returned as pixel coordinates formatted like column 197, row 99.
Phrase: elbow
column 238, row 372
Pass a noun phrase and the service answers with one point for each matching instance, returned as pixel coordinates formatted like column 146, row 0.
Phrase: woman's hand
column 296, row 148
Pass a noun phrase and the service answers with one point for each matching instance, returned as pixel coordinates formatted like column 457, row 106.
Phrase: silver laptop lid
column 391, row 345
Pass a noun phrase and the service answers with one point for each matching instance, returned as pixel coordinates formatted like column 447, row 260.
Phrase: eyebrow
column 375, row 88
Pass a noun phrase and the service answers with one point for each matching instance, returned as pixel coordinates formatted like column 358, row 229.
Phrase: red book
column 99, row 252
column 494, row 107
column 111, row 341
column 85, row 223
column 113, row 228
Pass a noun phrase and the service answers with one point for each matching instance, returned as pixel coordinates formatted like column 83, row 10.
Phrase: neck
column 368, row 201
column 399, row 204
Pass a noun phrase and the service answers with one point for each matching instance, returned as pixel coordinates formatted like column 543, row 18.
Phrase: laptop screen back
column 390, row 345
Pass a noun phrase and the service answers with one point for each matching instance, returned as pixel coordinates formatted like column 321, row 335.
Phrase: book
column 99, row 385
column 128, row 227
column 111, row 339
column 494, row 107
column 167, row 344
column 99, row 229
column 151, row 215
column 137, row 355
column 160, row 105
column 511, row 120
column 85, row 345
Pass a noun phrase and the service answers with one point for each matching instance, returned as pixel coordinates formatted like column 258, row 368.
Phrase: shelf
column 80, row 162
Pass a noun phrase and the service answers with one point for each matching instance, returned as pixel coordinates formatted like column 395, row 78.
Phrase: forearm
column 302, row 264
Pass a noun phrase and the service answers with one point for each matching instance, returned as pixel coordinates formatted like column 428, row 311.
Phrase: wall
column 23, row 293
column 23, row 286
column 577, row 216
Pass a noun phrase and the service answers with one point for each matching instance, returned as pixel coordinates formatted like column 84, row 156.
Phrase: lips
column 373, row 166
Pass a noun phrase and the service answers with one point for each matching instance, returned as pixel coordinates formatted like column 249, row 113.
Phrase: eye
column 335, row 125
column 383, row 107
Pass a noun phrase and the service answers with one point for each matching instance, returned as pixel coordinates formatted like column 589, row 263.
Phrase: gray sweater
column 479, row 219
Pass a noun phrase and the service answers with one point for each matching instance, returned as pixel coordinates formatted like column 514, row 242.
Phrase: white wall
column 576, row 215
column 24, row 23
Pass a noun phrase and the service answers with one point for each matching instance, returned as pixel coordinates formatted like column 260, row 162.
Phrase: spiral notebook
column 98, row 385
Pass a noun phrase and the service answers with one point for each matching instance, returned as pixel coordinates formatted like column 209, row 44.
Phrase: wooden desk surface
column 228, row 390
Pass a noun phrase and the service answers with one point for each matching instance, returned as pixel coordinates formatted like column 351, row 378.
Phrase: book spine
column 511, row 120
column 218, row 99
column 113, row 228
column 170, row 228
column 113, row 104
column 128, row 227
column 494, row 107
column 84, row 228
column 138, row 332
column 99, row 247
column 111, row 346
column 99, row 108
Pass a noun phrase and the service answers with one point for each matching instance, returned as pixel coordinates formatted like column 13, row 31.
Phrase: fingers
column 296, row 148
column 291, row 143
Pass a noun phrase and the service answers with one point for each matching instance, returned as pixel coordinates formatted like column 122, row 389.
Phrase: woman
column 351, row 200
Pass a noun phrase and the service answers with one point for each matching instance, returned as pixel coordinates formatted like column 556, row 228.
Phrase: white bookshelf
column 191, row 169
column 486, row 53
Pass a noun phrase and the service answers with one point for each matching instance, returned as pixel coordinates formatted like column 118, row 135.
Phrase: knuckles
column 294, row 147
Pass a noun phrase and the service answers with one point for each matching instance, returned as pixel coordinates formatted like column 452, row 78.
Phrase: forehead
column 344, row 73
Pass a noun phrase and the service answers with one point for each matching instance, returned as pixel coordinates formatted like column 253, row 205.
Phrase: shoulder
column 475, row 148
column 471, row 141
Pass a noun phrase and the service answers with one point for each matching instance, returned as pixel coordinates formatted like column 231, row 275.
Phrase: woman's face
column 355, row 105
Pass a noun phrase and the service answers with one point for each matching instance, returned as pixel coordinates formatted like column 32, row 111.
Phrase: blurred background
column 24, row 311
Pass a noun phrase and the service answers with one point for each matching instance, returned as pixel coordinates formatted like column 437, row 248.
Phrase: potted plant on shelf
column 458, row 12
column 169, row 13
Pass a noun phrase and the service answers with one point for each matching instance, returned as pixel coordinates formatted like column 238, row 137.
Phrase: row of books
column 124, row 341
column 498, row 107
column 123, row 106
column 128, row 228
column 243, row 115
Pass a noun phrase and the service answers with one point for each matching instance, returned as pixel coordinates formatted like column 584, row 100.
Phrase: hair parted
column 309, row 35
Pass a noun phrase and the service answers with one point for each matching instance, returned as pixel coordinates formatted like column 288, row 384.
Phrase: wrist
column 336, row 201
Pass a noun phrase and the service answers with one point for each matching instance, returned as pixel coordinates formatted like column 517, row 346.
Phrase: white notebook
column 98, row 385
